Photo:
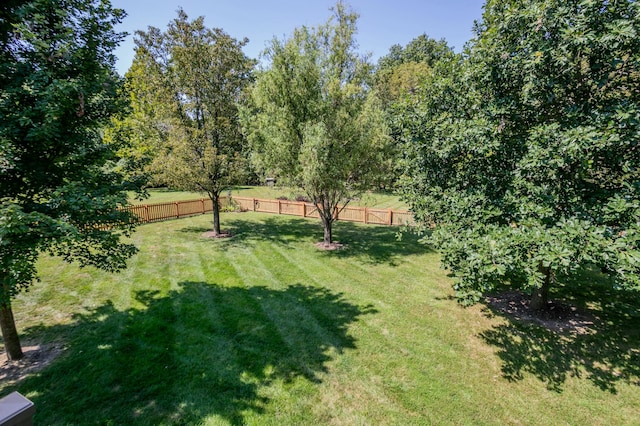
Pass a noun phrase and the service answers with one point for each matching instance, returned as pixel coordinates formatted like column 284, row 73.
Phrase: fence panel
column 311, row 210
column 190, row 208
column 245, row 203
column 161, row 211
column 139, row 212
column 267, row 206
column 351, row 214
column 401, row 218
column 378, row 216
column 291, row 208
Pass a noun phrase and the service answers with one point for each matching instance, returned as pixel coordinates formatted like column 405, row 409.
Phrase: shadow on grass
column 203, row 350
column 376, row 244
column 606, row 353
column 369, row 243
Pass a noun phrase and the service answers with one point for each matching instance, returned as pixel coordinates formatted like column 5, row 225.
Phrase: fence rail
column 148, row 213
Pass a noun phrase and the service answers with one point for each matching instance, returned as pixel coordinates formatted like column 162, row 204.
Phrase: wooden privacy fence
column 174, row 210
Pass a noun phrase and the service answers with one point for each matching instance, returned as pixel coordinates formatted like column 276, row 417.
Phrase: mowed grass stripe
column 324, row 274
column 255, row 289
column 313, row 318
column 359, row 285
column 268, row 364
column 342, row 383
column 297, row 322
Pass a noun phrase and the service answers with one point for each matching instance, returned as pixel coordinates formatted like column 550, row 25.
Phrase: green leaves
column 525, row 153
column 187, row 81
column 185, row 85
column 312, row 120
column 58, row 188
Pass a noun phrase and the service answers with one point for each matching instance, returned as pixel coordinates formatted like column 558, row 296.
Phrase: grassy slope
column 373, row 200
column 265, row 329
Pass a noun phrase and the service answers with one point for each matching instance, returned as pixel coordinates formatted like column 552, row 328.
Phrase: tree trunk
column 540, row 295
column 9, row 332
column 326, row 216
column 328, row 237
column 216, row 215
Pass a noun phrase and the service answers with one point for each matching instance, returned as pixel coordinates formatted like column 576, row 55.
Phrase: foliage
column 525, row 154
column 59, row 188
column 398, row 75
column 185, row 85
column 312, row 121
column 131, row 134
column 422, row 49
column 400, row 71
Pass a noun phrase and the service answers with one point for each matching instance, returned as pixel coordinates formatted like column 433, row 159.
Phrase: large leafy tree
column 525, row 154
column 58, row 188
column 314, row 123
column 187, row 82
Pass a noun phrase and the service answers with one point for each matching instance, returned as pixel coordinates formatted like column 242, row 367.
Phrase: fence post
column 253, row 202
column 304, row 209
column 202, row 203
column 177, row 210
column 279, row 206
column 390, row 217
column 146, row 213
column 366, row 215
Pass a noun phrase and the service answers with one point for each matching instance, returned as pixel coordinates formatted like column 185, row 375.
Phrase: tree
column 59, row 191
column 131, row 132
column 313, row 122
column 194, row 77
column 401, row 70
column 398, row 75
column 422, row 49
column 525, row 154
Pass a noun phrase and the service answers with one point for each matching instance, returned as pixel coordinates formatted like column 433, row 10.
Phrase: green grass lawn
column 266, row 329
column 373, row 200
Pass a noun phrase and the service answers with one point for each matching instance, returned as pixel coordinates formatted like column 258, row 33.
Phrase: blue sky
column 382, row 23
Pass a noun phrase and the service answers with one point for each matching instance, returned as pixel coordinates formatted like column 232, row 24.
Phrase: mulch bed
column 333, row 246
column 559, row 316
column 211, row 234
column 35, row 359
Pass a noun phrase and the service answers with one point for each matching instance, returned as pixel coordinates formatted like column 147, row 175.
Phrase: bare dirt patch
column 558, row 317
column 331, row 246
column 35, row 358
column 211, row 234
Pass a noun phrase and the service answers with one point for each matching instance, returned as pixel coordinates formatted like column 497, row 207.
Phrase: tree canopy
column 402, row 69
column 59, row 188
column 313, row 121
column 399, row 74
column 525, row 154
column 186, row 84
